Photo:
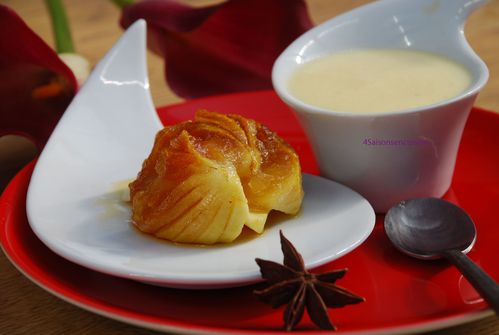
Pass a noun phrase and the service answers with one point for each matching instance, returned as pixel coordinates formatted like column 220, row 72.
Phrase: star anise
column 293, row 285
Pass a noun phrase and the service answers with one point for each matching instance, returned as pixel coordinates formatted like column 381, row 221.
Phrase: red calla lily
column 35, row 87
column 222, row 48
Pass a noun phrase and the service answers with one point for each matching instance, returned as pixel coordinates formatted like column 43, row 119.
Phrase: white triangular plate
column 74, row 207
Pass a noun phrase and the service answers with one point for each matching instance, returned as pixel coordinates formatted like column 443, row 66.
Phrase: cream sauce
column 378, row 80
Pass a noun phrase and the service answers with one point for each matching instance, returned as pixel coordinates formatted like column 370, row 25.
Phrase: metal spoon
column 431, row 228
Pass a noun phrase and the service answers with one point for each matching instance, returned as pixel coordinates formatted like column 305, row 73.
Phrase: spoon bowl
column 429, row 228
column 425, row 227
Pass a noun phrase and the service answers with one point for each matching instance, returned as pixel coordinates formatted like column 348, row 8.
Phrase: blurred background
column 95, row 27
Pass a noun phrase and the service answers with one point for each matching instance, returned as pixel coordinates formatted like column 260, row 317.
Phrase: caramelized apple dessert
column 206, row 179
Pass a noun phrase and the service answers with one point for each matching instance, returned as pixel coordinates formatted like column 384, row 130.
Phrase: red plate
column 402, row 294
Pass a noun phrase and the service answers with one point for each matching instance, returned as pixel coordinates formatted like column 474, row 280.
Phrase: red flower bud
column 222, row 48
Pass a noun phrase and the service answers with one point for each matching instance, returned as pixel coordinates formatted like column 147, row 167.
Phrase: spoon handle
column 480, row 280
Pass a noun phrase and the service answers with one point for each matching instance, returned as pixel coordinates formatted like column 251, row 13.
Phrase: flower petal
column 274, row 272
column 336, row 296
column 332, row 276
column 36, row 86
column 294, row 310
column 292, row 258
column 317, row 310
column 223, row 48
column 279, row 293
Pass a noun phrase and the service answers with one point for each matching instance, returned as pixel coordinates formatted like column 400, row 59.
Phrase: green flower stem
column 60, row 26
column 123, row 3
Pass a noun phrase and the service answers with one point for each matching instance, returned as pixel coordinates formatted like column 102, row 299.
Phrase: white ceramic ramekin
column 388, row 157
